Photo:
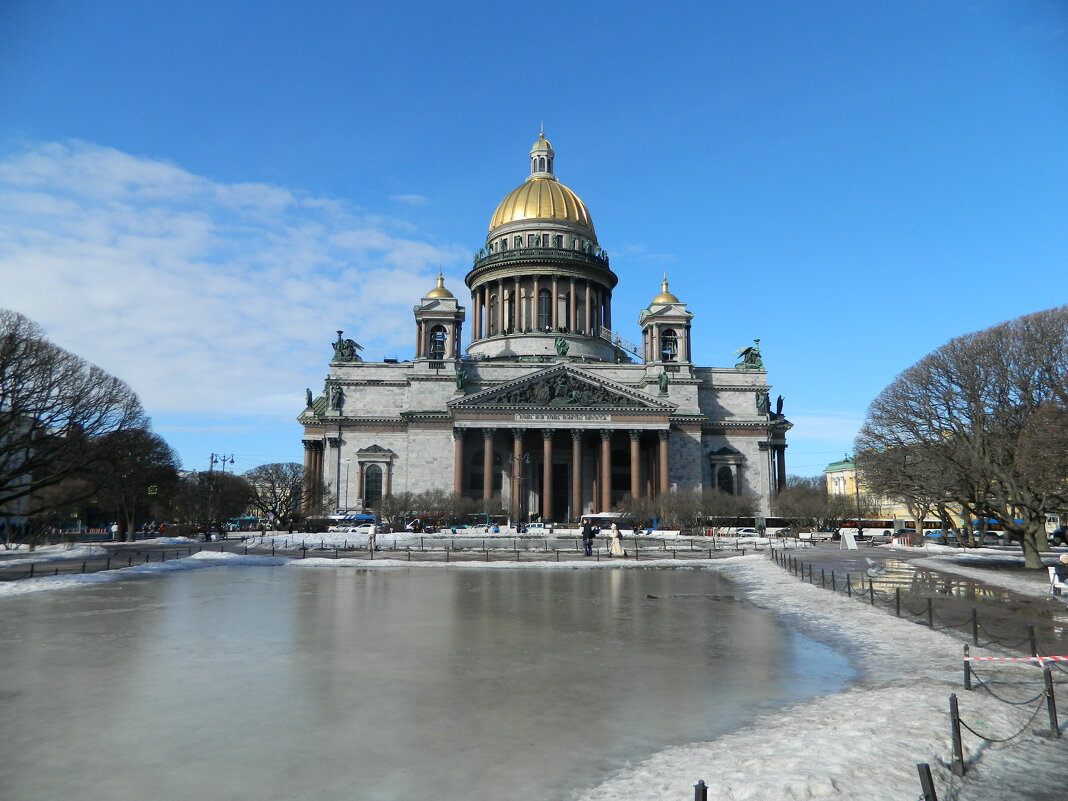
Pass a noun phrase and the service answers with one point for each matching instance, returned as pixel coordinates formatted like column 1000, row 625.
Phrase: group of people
column 615, row 538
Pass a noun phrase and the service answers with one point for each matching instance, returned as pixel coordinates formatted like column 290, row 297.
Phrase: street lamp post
column 347, row 463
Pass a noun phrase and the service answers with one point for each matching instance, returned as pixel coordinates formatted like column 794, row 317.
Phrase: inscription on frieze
column 534, row 417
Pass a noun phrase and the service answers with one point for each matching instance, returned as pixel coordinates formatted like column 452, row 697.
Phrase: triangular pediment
column 562, row 387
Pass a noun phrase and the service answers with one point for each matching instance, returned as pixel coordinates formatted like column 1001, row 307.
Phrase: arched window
column 438, row 338
column 372, row 484
column 725, row 480
column 669, row 345
column 493, row 318
column 545, row 309
column 517, row 241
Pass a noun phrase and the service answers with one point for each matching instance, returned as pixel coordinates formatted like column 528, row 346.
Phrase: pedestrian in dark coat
column 587, row 536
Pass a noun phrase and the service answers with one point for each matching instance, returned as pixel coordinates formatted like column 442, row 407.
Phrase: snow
column 57, row 553
column 863, row 743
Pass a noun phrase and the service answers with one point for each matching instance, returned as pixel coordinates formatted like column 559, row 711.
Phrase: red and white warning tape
column 1039, row 659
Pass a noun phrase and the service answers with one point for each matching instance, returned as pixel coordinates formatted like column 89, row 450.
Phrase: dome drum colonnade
column 541, row 274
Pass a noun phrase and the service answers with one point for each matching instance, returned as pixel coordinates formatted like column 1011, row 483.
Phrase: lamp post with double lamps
column 346, row 462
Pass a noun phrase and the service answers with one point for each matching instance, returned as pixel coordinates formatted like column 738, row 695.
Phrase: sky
column 197, row 195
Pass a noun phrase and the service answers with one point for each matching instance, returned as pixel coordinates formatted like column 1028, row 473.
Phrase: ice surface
column 859, row 744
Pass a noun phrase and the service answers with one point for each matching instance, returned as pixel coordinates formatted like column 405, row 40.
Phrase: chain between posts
column 797, row 567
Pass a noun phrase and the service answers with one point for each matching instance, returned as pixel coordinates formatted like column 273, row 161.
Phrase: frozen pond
column 281, row 683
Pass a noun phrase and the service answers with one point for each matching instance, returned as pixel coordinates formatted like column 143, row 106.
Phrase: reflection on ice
column 278, row 683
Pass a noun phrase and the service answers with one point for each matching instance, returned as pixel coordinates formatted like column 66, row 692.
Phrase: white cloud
column 203, row 296
column 411, row 200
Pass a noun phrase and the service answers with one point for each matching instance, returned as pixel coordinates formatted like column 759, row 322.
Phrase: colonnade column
column 663, row 461
column 572, row 322
column 576, row 473
column 476, row 302
column 606, row 471
column 457, row 462
column 487, row 463
column 517, row 471
column 556, row 305
column 500, row 306
column 780, row 467
column 608, row 310
column 635, row 441
column 547, row 474
column 517, row 308
column 586, row 309
column 535, row 323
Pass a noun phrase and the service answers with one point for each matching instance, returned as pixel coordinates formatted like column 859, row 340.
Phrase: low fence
column 1031, row 706
column 429, row 548
column 974, row 627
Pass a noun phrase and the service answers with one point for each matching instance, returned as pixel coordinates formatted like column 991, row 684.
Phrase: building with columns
column 547, row 410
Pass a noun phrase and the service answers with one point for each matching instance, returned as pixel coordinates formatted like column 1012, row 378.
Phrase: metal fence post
column 967, row 670
column 1051, row 704
column 849, row 586
column 1031, row 639
column 871, row 591
column 897, row 601
column 926, row 782
column 958, row 747
column 700, row 791
column 930, row 614
column 975, row 626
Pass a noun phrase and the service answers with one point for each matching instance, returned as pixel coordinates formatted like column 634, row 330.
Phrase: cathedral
column 547, row 411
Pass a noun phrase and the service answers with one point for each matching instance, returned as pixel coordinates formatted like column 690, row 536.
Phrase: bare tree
column 724, row 508
column 55, row 412
column 277, row 490
column 982, row 418
column 804, row 502
column 138, row 472
column 210, row 499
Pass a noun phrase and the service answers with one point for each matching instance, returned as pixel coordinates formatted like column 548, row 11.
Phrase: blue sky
column 196, row 195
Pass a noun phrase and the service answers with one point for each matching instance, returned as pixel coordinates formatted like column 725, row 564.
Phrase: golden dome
column 542, row 143
column 541, row 198
column 664, row 296
column 439, row 291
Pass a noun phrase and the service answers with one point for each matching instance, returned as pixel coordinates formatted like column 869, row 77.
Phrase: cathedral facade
column 546, row 410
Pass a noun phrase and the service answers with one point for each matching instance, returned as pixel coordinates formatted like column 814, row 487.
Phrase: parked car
column 748, row 532
column 1058, row 537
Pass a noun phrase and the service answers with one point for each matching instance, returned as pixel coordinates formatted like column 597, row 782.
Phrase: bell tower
column 666, row 330
column 438, row 322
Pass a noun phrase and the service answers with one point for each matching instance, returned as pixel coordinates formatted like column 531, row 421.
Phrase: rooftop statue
column 460, row 376
column 561, row 346
column 308, row 397
column 345, row 349
column 664, row 380
column 763, row 403
column 750, row 357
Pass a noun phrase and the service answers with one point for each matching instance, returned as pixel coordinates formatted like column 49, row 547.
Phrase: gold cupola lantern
column 664, row 296
column 439, row 291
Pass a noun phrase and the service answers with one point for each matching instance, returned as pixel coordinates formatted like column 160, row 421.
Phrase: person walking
column 372, row 539
column 616, row 543
column 587, row 536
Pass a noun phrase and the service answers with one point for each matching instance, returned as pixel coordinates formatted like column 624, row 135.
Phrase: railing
column 555, row 254
column 623, row 344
